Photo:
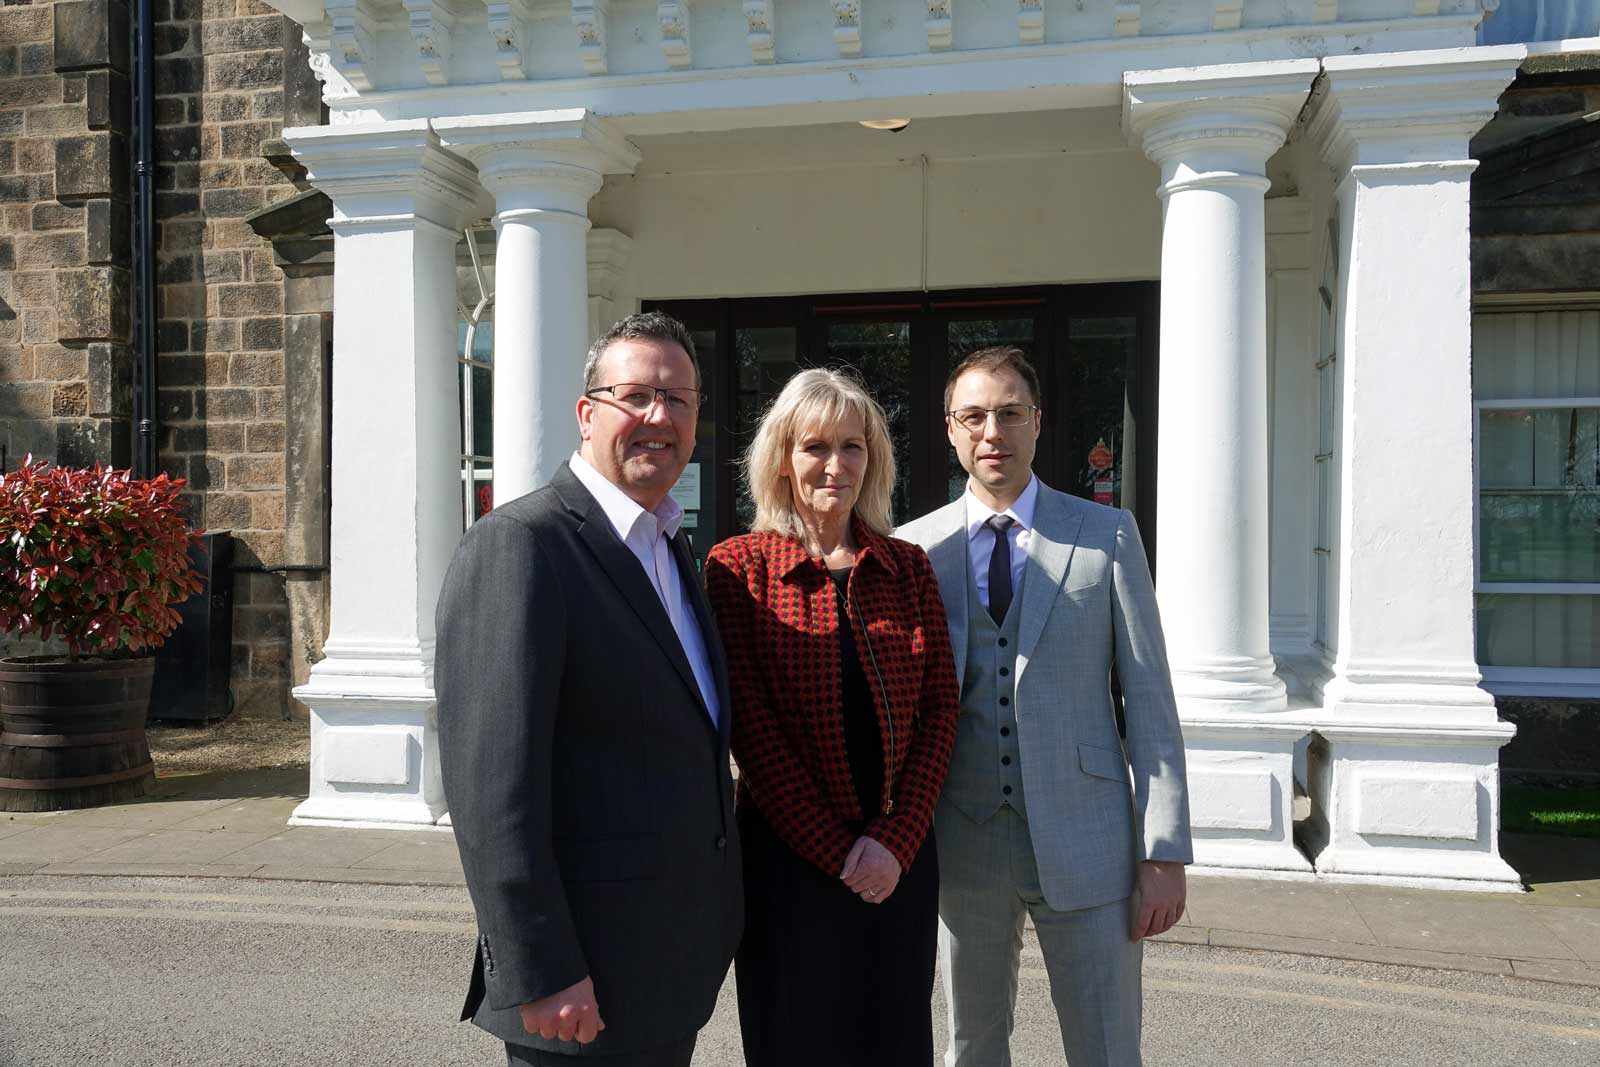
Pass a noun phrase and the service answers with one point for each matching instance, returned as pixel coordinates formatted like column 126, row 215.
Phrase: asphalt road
column 114, row 972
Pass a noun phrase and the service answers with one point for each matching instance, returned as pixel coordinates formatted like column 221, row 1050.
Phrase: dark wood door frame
column 1055, row 307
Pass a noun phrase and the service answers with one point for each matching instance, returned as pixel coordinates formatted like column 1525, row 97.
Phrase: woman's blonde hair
column 815, row 399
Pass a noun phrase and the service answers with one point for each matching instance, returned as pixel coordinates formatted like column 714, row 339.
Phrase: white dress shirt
column 648, row 535
column 980, row 540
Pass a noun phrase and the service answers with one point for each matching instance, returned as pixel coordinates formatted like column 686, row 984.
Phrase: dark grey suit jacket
column 589, row 790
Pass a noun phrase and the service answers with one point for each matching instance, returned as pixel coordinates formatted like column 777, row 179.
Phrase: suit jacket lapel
column 694, row 592
column 950, row 565
column 621, row 566
column 1050, row 546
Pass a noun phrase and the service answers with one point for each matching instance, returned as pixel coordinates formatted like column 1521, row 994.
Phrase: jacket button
column 1005, row 761
column 722, row 843
column 1004, row 671
column 1006, row 790
column 1005, row 731
column 1002, row 642
column 1005, row 701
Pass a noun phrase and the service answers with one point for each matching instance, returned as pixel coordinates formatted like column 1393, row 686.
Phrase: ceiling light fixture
column 892, row 125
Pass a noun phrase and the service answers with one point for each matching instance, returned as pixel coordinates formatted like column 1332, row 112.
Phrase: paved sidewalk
column 235, row 826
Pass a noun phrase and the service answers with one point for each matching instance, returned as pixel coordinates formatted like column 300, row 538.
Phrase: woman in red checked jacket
column 844, row 714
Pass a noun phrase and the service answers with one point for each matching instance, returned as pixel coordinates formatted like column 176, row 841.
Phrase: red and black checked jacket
column 778, row 616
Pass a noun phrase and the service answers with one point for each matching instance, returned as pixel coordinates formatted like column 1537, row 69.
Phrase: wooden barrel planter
column 72, row 734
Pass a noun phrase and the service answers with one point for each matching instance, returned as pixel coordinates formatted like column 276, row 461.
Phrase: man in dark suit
column 583, row 735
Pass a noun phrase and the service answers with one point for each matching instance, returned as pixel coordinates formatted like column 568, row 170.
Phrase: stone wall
column 64, row 359
column 65, row 183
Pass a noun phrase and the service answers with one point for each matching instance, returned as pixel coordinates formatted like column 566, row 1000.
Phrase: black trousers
column 677, row 1054
column 824, row 978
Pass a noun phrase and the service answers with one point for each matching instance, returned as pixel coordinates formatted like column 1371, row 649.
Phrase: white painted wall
column 1045, row 198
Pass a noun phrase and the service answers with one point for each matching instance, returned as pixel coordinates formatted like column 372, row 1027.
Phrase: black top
column 863, row 743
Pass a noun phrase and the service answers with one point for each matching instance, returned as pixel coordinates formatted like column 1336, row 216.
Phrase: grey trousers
column 988, row 883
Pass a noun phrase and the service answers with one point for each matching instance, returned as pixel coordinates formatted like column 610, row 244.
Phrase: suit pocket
column 612, row 858
column 1103, row 763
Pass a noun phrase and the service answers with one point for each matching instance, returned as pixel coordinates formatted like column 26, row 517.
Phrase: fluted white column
column 541, row 168
column 399, row 203
column 1211, row 132
column 1405, row 773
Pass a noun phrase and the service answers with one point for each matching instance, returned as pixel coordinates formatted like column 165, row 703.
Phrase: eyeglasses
column 1010, row 416
column 640, row 398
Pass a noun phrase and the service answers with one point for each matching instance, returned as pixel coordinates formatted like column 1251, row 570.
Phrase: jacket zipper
column 888, row 708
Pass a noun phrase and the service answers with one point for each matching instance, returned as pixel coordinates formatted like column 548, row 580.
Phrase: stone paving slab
column 1292, row 909
column 1557, row 971
column 58, row 844
column 141, row 815
column 180, row 846
column 93, row 868
column 1457, row 922
column 11, row 829
column 1577, row 928
column 313, row 847
column 267, row 814
column 417, row 855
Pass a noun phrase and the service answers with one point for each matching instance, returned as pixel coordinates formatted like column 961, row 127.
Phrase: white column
column 1405, row 771
column 541, row 168
column 399, row 203
column 1211, row 130
column 608, row 258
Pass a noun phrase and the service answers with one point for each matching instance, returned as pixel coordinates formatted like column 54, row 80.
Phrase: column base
column 1241, row 790
column 1410, row 801
column 374, row 740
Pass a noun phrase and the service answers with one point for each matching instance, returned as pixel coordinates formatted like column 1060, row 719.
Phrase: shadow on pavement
column 233, row 785
column 1544, row 859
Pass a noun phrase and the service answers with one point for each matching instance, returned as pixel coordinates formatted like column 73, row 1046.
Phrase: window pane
column 482, row 411
column 1540, row 536
column 881, row 352
column 1102, row 349
column 1538, row 630
column 767, row 358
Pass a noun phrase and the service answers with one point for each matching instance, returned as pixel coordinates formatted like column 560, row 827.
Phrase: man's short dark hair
column 993, row 360
column 644, row 326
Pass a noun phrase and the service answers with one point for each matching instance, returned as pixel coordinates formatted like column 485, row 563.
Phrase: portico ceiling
column 668, row 66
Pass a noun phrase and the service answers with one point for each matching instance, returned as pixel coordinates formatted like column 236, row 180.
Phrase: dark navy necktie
column 1000, row 569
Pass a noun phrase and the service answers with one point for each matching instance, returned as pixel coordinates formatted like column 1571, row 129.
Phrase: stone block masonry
column 65, row 296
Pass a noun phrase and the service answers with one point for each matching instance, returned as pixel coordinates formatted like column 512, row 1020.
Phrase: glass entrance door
column 1094, row 347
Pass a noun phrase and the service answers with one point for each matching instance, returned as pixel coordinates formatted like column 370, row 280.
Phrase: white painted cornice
column 673, row 16
column 1214, row 121
column 431, row 22
column 847, row 26
column 589, row 16
column 541, row 160
column 608, row 256
column 1125, row 19
column 353, row 43
column 509, row 22
column 940, row 24
column 762, row 33
column 386, row 174
column 1030, row 21
column 1408, row 107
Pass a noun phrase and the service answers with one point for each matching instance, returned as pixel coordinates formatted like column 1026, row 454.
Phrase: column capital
column 1209, row 124
column 384, row 175
column 541, row 160
column 1405, row 109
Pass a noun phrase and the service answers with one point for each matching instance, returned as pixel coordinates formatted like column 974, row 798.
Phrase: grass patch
column 1540, row 810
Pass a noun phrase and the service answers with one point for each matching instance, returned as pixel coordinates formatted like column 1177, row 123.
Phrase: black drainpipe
column 144, row 246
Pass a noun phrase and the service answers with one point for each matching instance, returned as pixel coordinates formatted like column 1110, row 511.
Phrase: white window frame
column 471, row 474
column 1580, row 682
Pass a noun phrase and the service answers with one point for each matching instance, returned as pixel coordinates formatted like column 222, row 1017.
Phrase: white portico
column 1293, row 177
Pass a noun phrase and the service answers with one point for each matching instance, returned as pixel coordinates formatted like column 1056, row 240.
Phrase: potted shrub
column 95, row 558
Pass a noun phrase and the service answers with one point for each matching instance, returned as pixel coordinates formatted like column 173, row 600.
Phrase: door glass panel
column 697, row 486
column 1099, row 434
column 881, row 353
column 962, row 338
column 767, row 357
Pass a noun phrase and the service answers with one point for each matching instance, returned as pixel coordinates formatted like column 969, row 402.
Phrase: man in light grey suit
column 1040, row 815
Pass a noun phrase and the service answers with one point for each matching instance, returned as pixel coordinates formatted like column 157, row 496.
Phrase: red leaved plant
column 95, row 556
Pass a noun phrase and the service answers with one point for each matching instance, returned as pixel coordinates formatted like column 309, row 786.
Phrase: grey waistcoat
column 986, row 768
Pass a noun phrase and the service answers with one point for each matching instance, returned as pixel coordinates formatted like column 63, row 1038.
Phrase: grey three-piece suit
column 1040, row 814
